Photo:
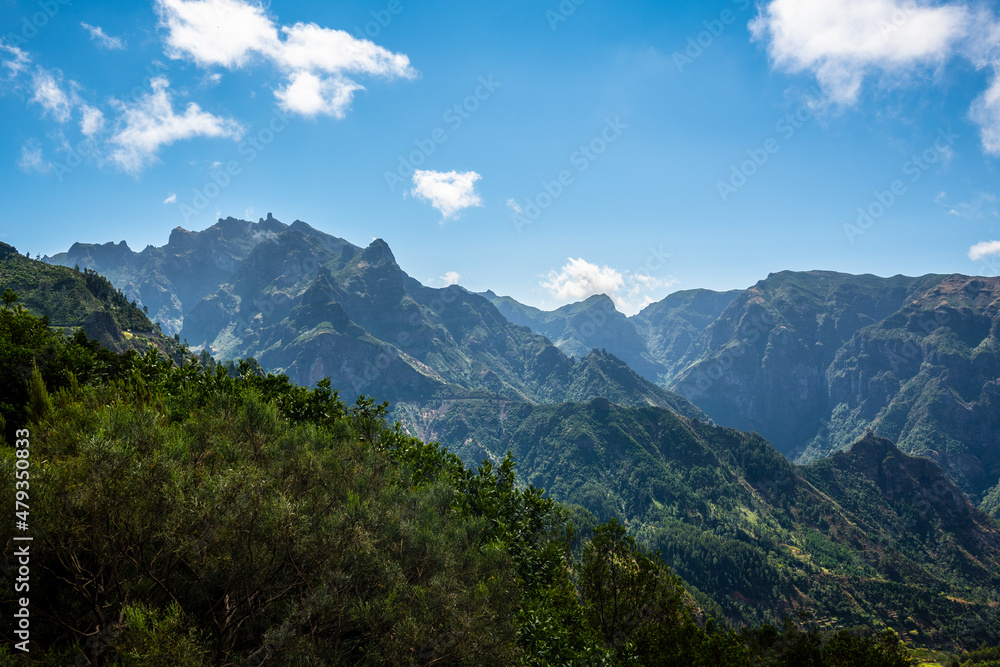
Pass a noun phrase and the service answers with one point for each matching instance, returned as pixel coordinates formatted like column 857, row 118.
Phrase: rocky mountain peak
column 378, row 253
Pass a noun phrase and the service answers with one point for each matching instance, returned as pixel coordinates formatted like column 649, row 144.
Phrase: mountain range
column 592, row 405
column 810, row 360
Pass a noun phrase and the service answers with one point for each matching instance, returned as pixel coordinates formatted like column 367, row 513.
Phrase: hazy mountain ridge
column 171, row 279
column 311, row 305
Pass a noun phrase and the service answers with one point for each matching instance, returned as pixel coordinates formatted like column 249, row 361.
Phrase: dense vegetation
column 67, row 296
column 190, row 517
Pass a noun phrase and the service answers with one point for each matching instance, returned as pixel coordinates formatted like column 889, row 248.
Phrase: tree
column 9, row 297
column 624, row 587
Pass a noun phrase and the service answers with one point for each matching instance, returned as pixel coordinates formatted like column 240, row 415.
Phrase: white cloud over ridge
column 151, row 123
column 449, row 192
column 318, row 62
column 579, row 279
column 844, row 42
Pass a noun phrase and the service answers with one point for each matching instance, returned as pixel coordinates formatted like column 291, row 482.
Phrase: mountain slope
column 72, row 299
column 872, row 536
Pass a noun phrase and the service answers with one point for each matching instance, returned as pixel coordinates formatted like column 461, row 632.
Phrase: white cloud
column 985, row 112
column 984, row 249
column 514, row 206
column 449, row 192
column 92, row 121
column 843, row 41
column 309, row 95
column 211, row 80
column 451, row 278
column 579, row 279
column 216, row 32
column 172, row 199
column 32, row 160
column 316, row 60
column 310, row 47
column 48, row 91
column 150, row 123
column 103, row 39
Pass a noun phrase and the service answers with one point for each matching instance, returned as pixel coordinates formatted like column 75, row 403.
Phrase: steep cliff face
column 927, row 377
column 812, row 360
column 671, row 326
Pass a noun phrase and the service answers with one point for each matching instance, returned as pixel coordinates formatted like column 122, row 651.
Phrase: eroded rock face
column 812, row 360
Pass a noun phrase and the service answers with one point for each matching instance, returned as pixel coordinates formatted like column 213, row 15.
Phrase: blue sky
column 545, row 150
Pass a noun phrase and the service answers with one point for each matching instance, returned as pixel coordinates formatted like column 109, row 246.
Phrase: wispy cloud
column 49, row 91
column 150, row 123
column 451, row 278
column 319, row 63
column 172, row 199
column 984, row 249
column 31, row 159
column 985, row 113
column 981, row 207
column 449, row 192
column 103, row 39
column 13, row 59
column 92, row 120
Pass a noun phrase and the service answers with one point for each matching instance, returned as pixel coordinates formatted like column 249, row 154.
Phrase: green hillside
column 874, row 537
column 67, row 297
